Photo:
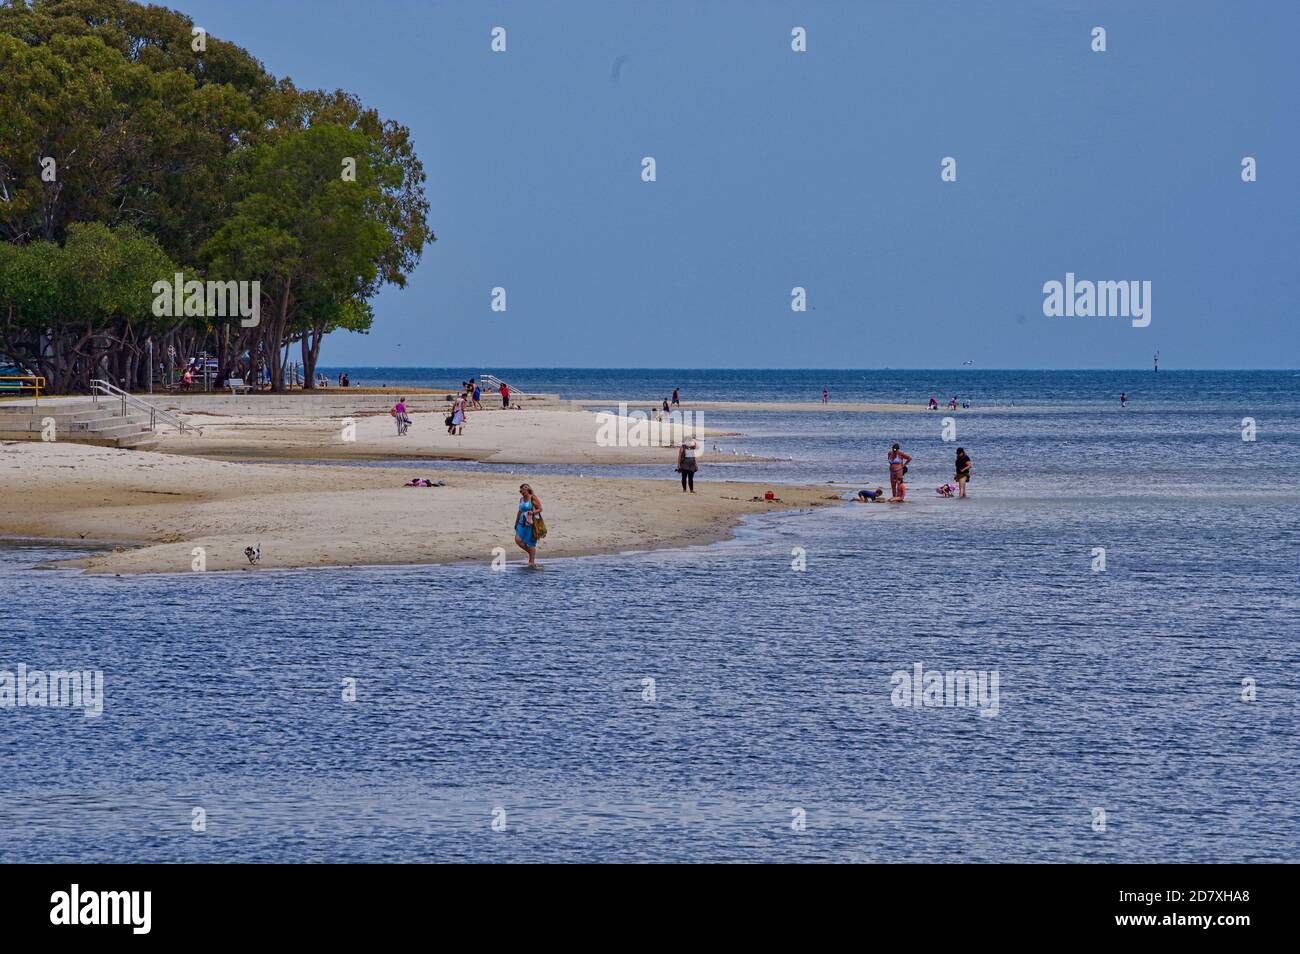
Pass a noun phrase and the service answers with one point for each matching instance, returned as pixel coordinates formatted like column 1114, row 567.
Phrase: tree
column 309, row 233
column 68, row 311
column 110, row 115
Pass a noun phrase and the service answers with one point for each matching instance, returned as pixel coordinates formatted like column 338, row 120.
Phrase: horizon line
column 601, row 367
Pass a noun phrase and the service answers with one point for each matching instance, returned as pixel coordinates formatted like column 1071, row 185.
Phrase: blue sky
column 822, row 170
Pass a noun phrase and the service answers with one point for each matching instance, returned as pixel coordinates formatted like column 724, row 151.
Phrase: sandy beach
column 529, row 436
column 159, row 506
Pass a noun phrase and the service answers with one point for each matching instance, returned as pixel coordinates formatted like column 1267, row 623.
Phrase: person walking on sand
column 688, row 463
column 826, row 394
column 677, row 397
column 478, row 393
column 458, row 416
column 399, row 413
column 530, row 508
column 505, row 395
column 898, row 462
column 962, row 473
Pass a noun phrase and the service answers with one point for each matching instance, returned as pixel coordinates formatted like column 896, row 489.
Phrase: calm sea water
column 1119, row 691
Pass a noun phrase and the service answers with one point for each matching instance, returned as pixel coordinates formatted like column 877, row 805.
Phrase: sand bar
column 531, row 436
column 163, row 505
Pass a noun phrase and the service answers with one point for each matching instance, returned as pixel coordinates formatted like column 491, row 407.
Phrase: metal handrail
column 34, row 381
column 494, row 381
column 99, row 385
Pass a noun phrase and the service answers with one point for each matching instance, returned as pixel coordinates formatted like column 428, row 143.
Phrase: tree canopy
column 185, row 151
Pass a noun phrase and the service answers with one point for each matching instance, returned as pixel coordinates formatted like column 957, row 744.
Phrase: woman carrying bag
column 688, row 464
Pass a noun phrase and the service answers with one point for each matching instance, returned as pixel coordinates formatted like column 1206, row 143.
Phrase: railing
column 494, row 382
column 99, row 386
column 25, row 381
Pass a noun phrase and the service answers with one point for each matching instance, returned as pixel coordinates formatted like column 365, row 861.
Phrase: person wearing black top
column 963, row 471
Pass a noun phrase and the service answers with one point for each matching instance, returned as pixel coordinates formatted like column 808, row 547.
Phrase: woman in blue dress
column 530, row 508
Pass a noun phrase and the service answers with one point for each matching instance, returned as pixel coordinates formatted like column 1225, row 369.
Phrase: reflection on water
column 476, row 690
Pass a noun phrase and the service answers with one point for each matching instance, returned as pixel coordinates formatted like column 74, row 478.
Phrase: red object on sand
column 769, row 496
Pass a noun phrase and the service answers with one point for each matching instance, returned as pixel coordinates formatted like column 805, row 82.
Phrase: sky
column 778, row 169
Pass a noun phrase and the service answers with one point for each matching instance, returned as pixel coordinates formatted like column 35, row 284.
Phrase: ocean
column 742, row 700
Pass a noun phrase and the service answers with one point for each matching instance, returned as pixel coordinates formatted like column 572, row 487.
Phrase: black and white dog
column 253, row 553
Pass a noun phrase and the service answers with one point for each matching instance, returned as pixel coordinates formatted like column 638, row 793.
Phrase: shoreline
column 283, row 476
column 155, row 508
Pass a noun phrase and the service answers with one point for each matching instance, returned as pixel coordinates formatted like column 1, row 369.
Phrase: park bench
column 237, row 386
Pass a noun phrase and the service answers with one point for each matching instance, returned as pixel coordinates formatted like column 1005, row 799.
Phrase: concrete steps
column 80, row 423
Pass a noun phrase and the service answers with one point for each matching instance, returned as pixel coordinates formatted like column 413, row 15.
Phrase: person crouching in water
column 530, row 508
column 688, row 463
column 900, row 491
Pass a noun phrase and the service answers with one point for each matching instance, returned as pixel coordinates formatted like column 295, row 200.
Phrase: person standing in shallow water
column 688, row 463
column 530, row 508
column 962, row 470
column 898, row 462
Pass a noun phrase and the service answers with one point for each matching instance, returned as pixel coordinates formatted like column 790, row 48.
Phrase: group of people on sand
column 898, row 466
column 458, row 405
column 470, row 394
column 952, row 403
column 530, row 528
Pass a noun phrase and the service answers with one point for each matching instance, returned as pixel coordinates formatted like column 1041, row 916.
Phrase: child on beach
column 870, row 496
column 945, row 490
column 505, row 395
column 900, row 492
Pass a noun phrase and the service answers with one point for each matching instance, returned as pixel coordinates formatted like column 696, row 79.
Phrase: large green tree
column 68, row 311
column 112, row 112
